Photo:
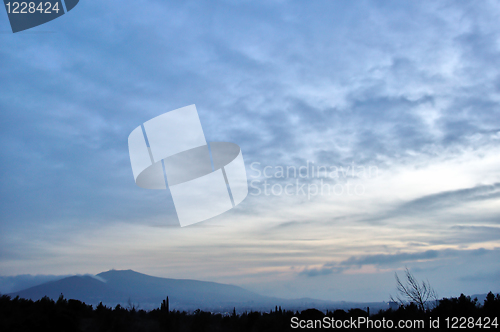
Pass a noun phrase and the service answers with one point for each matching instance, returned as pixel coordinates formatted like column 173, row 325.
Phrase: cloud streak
column 385, row 260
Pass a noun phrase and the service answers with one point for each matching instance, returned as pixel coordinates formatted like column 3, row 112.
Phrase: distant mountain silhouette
column 481, row 297
column 121, row 287
column 127, row 287
column 85, row 288
column 10, row 284
column 185, row 291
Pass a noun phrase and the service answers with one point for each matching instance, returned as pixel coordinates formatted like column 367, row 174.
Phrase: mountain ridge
column 131, row 288
column 127, row 286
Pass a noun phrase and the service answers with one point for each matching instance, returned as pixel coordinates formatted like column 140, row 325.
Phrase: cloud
column 451, row 198
column 441, row 204
column 391, row 260
column 314, row 272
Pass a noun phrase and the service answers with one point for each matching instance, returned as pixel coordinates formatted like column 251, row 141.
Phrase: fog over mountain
column 10, row 284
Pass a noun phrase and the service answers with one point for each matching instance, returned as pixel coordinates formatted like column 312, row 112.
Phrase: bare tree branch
column 423, row 295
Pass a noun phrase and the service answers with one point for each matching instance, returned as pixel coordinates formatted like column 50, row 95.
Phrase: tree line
column 17, row 314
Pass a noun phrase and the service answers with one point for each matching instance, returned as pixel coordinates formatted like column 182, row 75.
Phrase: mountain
column 130, row 288
column 84, row 288
column 481, row 297
column 9, row 284
column 185, row 292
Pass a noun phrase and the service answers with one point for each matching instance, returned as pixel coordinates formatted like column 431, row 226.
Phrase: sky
column 390, row 110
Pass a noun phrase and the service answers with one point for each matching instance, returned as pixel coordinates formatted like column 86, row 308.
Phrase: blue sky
column 411, row 90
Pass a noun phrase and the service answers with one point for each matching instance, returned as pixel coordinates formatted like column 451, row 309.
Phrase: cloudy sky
column 398, row 101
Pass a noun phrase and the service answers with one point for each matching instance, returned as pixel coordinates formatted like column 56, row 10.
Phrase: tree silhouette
column 19, row 314
column 422, row 294
column 492, row 303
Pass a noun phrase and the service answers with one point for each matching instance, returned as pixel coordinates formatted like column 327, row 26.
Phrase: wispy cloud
column 387, row 260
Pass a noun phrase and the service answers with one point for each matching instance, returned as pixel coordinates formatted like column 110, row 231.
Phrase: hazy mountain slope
column 127, row 286
column 178, row 290
column 84, row 288
column 9, row 284
column 113, row 287
column 481, row 297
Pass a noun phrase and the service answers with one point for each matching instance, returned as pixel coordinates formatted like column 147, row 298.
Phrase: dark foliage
column 18, row 314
